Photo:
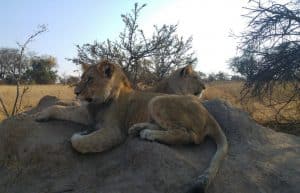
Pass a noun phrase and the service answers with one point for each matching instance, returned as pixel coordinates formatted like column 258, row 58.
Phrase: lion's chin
column 96, row 100
column 200, row 95
column 89, row 100
column 85, row 99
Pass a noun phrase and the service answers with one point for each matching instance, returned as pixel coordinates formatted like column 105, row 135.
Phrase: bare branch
column 270, row 53
column 24, row 91
column 4, row 107
column 41, row 29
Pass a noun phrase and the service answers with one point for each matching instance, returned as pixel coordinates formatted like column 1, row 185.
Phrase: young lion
column 116, row 110
column 183, row 81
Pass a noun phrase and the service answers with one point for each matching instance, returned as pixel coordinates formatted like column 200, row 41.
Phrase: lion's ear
column 84, row 66
column 106, row 68
column 186, row 70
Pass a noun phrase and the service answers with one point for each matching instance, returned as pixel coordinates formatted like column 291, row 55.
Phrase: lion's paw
column 76, row 142
column 135, row 129
column 75, row 137
column 147, row 134
column 42, row 116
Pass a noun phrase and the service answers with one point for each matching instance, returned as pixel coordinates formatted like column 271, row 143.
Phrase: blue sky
column 72, row 22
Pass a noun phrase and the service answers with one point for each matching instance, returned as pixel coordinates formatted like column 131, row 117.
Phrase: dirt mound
column 38, row 158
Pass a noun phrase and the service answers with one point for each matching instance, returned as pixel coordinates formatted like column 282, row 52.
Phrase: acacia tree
column 17, row 75
column 41, row 70
column 270, row 52
column 9, row 64
column 141, row 56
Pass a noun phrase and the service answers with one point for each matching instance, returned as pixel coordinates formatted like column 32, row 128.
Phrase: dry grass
column 259, row 111
column 35, row 93
column 228, row 91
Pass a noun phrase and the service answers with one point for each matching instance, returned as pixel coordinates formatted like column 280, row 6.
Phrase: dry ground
column 228, row 91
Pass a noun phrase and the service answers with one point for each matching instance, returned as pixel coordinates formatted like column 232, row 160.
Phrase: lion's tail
column 202, row 182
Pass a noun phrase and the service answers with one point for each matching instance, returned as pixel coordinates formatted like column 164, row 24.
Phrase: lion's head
column 186, row 81
column 100, row 83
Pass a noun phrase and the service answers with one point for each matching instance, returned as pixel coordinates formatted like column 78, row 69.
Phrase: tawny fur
column 116, row 110
column 183, row 81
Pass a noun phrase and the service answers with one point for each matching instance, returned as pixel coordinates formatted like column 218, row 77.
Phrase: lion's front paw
column 42, row 116
column 135, row 129
column 147, row 134
column 75, row 140
column 75, row 137
column 81, row 143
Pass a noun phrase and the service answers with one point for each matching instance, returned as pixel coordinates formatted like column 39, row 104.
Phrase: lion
column 116, row 111
column 183, row 81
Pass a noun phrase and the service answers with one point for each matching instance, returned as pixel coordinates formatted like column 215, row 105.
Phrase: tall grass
column 35, row 93
column 260, row 110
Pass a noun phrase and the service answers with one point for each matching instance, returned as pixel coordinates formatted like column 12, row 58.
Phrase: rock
column 38, row 158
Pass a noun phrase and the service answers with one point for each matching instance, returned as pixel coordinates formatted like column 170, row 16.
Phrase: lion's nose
column 77, row 91
column 197, row 93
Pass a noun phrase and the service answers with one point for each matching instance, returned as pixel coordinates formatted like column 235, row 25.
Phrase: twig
column 25, row 89
column 31, row 38
column 4, row 107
